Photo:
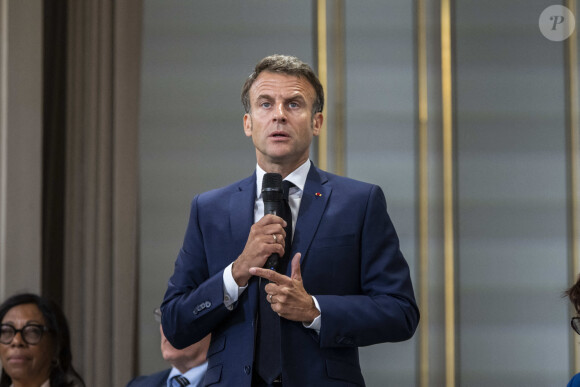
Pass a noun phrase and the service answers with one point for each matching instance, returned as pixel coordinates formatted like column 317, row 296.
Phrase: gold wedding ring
column 275, row 238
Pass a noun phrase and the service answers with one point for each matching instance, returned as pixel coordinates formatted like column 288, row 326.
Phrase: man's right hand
column 260, row 245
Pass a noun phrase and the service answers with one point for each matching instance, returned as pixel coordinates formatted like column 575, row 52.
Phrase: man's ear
column 317, row 121
column 248, row 125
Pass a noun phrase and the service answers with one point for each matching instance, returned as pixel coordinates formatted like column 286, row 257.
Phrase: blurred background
column 113, row 115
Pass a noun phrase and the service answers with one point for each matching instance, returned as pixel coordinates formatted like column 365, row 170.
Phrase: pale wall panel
column 380, row 146
column 511, row 198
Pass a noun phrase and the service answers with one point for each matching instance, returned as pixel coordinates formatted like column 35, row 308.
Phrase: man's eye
column 293, row 105
column 266, row 104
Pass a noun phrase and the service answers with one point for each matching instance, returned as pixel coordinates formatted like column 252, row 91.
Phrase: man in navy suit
column 342, row 284
column 188, row 365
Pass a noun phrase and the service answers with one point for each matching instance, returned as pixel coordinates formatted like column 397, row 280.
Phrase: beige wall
column 20, row 145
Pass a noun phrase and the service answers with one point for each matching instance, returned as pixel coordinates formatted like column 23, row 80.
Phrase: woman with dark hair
column 35, row 344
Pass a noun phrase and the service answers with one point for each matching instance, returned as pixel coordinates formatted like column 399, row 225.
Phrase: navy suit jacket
column 156, row 380
column 350, row 262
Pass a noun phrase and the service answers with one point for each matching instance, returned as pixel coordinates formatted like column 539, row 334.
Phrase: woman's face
column 23, row 362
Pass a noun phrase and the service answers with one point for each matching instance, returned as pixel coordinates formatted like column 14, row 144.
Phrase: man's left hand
column 287, row 295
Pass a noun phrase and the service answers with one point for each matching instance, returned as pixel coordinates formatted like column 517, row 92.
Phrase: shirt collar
column 297, row 177
column 194, row 375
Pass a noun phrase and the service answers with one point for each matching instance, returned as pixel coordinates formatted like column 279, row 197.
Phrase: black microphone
column 272, row 197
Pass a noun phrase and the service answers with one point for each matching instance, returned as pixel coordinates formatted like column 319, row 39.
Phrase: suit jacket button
column 247, row 370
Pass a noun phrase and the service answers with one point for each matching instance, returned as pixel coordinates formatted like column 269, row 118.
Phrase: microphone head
column 272, row 187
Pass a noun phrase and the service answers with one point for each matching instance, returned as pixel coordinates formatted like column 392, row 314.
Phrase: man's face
column 281, row 122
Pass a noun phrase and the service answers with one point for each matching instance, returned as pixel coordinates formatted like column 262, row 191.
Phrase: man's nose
column 280, row 113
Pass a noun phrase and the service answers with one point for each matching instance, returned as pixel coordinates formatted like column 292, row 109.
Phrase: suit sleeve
column 193, row 303
column 385, row 310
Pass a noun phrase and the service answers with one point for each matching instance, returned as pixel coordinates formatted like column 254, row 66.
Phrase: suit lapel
column 314, row 201
column 241, row 219
column 242, row 212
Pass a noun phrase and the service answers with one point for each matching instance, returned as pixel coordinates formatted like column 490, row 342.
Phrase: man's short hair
column 284, row 64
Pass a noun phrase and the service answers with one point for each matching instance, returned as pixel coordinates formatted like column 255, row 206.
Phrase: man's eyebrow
column 295, row 97
column 264, row 96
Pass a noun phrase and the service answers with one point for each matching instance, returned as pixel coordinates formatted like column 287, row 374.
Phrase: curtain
column 101, row 189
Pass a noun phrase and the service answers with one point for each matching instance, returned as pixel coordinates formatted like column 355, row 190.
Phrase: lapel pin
column 318, row 194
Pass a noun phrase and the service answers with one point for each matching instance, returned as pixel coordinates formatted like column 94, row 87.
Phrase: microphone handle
column 272, row 262
column 272, row 208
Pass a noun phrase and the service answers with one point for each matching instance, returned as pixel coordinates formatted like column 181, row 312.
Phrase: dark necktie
column 180, row 380
column 268, row 352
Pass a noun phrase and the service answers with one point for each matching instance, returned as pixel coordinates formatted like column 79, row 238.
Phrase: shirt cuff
column 231, row 289
column 316, row 323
